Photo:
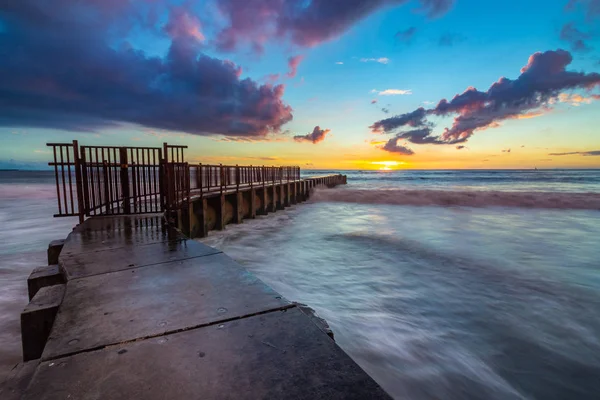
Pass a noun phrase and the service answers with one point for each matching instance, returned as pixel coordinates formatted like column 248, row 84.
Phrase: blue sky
column 490, row 41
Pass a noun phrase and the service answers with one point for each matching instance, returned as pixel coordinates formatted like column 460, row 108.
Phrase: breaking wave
column 579, row 201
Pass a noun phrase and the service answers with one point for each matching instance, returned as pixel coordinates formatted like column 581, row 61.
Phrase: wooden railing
column 109, row 180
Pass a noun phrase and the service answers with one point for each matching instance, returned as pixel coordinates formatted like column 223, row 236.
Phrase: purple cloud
column 64, row 73
column 306, row 24
column 293, row 63
column 540, row 83
column 392, row 146
column 414, row 119
column 316, row 136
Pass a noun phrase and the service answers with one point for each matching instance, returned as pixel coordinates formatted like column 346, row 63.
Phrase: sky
column 323, row 84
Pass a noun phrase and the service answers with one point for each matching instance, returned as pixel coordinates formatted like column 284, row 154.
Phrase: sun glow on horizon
column 387, row 165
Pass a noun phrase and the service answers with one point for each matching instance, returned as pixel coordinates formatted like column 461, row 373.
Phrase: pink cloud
column 293, row 63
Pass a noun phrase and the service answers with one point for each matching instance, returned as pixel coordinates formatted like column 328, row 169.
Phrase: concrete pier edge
column 139, row 296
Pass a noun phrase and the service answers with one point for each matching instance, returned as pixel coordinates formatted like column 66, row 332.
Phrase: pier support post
column 286, row 188
column 294, row 193
column 273, row 206
column 280, row 197
column 218, row 204
column 197, row 211
column 262, row 195
column 238, row 208
column 252, row 203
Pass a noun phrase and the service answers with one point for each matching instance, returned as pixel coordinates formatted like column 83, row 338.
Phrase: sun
column 387, row 165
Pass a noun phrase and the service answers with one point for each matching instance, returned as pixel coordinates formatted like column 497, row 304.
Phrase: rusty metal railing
column 110, row 180
column 206, row 178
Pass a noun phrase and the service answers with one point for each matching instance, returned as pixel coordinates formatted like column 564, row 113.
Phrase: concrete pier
column 213, row 211
column 147, row 313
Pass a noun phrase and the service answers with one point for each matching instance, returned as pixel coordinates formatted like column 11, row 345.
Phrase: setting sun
column 387, row 165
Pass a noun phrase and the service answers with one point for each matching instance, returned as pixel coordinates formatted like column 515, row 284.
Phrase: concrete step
column 54, row 249
column 37, row 320
column 47, row 275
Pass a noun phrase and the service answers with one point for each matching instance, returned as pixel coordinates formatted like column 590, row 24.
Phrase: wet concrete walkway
column 149, row 314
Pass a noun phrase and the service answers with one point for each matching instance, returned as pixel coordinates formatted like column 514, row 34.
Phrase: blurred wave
column 470, row 198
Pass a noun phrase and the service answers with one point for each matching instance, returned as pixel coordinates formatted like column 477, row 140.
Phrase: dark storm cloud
column 316, row 136
column 65, row 72
column 541, row 81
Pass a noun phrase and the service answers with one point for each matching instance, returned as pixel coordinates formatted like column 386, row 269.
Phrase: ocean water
column 447, row 284
column 440, row 284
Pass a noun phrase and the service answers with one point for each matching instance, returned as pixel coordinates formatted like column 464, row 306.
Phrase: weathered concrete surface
column 40, row 277
column 278, row 355
column 17, row 381
column 111, row 308
column 148, row 314
column 81, row 264
column 37, row 320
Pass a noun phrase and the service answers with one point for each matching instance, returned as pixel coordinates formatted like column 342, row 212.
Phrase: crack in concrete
column 174, row 331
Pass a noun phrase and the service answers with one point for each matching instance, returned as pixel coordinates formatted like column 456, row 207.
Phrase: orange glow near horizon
column 387, row 165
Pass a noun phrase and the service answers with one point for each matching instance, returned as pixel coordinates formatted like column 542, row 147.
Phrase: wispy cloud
column 392, row 92
column 580, row 153
column 406, row 36
column 449, row 39
column 339, row 62
column 293, row 63
column 575, row 99
column 380, row 60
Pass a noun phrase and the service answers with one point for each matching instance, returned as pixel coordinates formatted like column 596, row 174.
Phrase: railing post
column 78, row 182
column 161, row 180
column 199, row 178
column 84, row 177
column 166, row 151
column 106, row 177
column 237, row 178
column 251, row 177
column 125, row 180
column 222, row 177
